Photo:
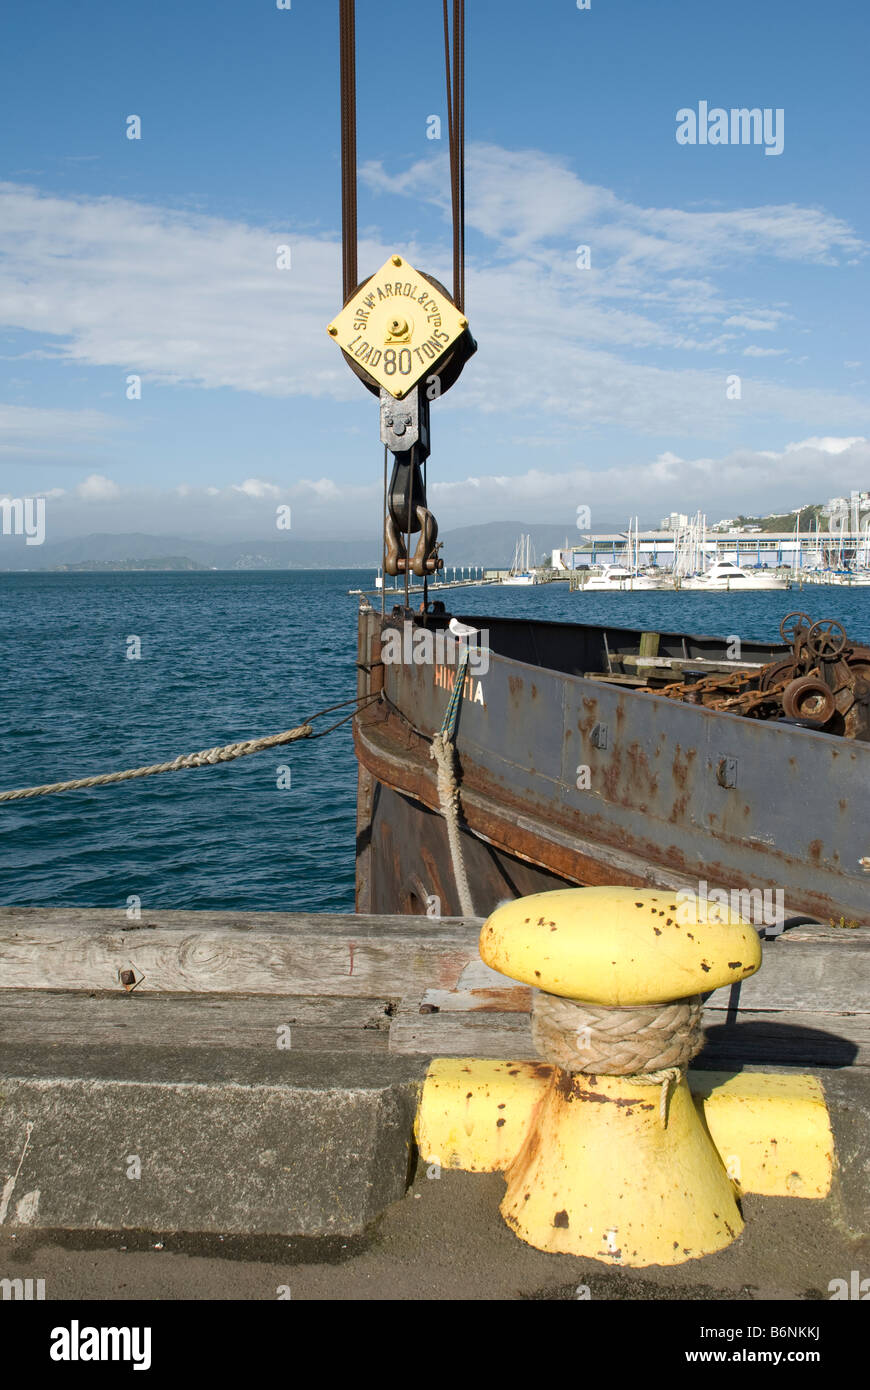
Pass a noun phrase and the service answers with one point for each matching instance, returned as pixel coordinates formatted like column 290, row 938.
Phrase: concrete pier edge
column 295, row 1145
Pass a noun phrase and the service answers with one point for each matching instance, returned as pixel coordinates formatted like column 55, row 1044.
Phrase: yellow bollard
column 771, row 1129
column 475, row 1114
column 617, row 1164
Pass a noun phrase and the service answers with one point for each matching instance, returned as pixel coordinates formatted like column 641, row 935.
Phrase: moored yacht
column 618, row 577
column 725, row 575
column 521, row 571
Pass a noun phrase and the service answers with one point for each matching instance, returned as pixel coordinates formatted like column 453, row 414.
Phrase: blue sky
column 603, row 386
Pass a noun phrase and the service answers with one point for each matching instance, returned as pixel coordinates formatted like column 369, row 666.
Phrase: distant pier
column 399, row 589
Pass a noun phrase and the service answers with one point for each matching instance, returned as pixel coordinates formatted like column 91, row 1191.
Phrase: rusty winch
column 824, row 684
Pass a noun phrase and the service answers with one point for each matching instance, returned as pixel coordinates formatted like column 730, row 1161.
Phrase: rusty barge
column 590, row 755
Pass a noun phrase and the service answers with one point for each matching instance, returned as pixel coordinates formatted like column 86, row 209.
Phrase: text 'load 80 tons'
column 396, row 329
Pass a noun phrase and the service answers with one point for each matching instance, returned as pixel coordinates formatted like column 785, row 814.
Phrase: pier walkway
column 222, row 1077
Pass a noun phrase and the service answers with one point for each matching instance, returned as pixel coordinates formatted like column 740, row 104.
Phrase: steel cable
column 455, row 74
column 347, row 45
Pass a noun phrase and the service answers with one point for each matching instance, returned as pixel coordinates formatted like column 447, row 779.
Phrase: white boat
column 521, row 571
column 724, row 575
column 848, row 578
column 619, row 578
column 622, row 577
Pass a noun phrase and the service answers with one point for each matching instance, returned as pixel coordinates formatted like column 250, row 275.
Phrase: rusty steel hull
column 674, row 794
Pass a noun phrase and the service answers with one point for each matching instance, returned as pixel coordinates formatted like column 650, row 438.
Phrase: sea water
column 224, row 656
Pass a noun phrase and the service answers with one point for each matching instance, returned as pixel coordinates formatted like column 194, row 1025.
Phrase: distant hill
column 138, row 550
column 491, row 544
column 165, row 562
column 786, row 522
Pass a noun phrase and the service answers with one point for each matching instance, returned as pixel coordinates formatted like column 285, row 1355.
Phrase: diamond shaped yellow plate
column 397, row 326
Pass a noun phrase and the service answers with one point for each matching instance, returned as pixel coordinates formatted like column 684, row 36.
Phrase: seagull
column 462, row 629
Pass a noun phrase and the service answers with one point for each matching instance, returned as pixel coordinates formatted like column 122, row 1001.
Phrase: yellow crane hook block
column 397, row 326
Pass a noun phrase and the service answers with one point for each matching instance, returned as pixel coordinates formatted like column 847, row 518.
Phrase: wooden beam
column 237, row 953
column 213, row 1021
column 811, row 990
column 787, row 1038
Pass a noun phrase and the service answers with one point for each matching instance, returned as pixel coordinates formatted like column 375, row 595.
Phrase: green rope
column 448, row 724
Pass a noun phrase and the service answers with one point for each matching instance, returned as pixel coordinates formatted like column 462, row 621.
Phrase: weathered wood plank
column 807, row 968
column 448, row 1034
column 631, row 682
column 515, row 999
column 318, row 1024
column 803, row 1038
column 276, row 954
column 817, row 971
column 853, row 938
column 115, row 919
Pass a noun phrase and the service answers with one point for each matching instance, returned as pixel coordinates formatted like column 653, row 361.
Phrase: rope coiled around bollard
column 646, row 1044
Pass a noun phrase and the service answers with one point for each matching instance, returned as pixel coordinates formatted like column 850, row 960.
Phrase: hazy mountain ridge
column 491, row 544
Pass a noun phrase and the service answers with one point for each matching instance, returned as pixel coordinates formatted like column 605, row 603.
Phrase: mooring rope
column 645, row 1045
column 443, row 751
column 208, row 757
column 448, row 723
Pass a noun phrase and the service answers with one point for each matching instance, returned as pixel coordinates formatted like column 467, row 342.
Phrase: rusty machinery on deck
column 824, row 684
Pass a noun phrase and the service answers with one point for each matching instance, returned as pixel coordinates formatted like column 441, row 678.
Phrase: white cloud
column 237, row 511
column 830, row 444
column 592, row 346
column 255, row 487
column 322, row 488
column 756, row 323
column 721, row 483
column 185, row 298
column 177, row 297
column 96, row 488
column 522, row 198
column 742, row 480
